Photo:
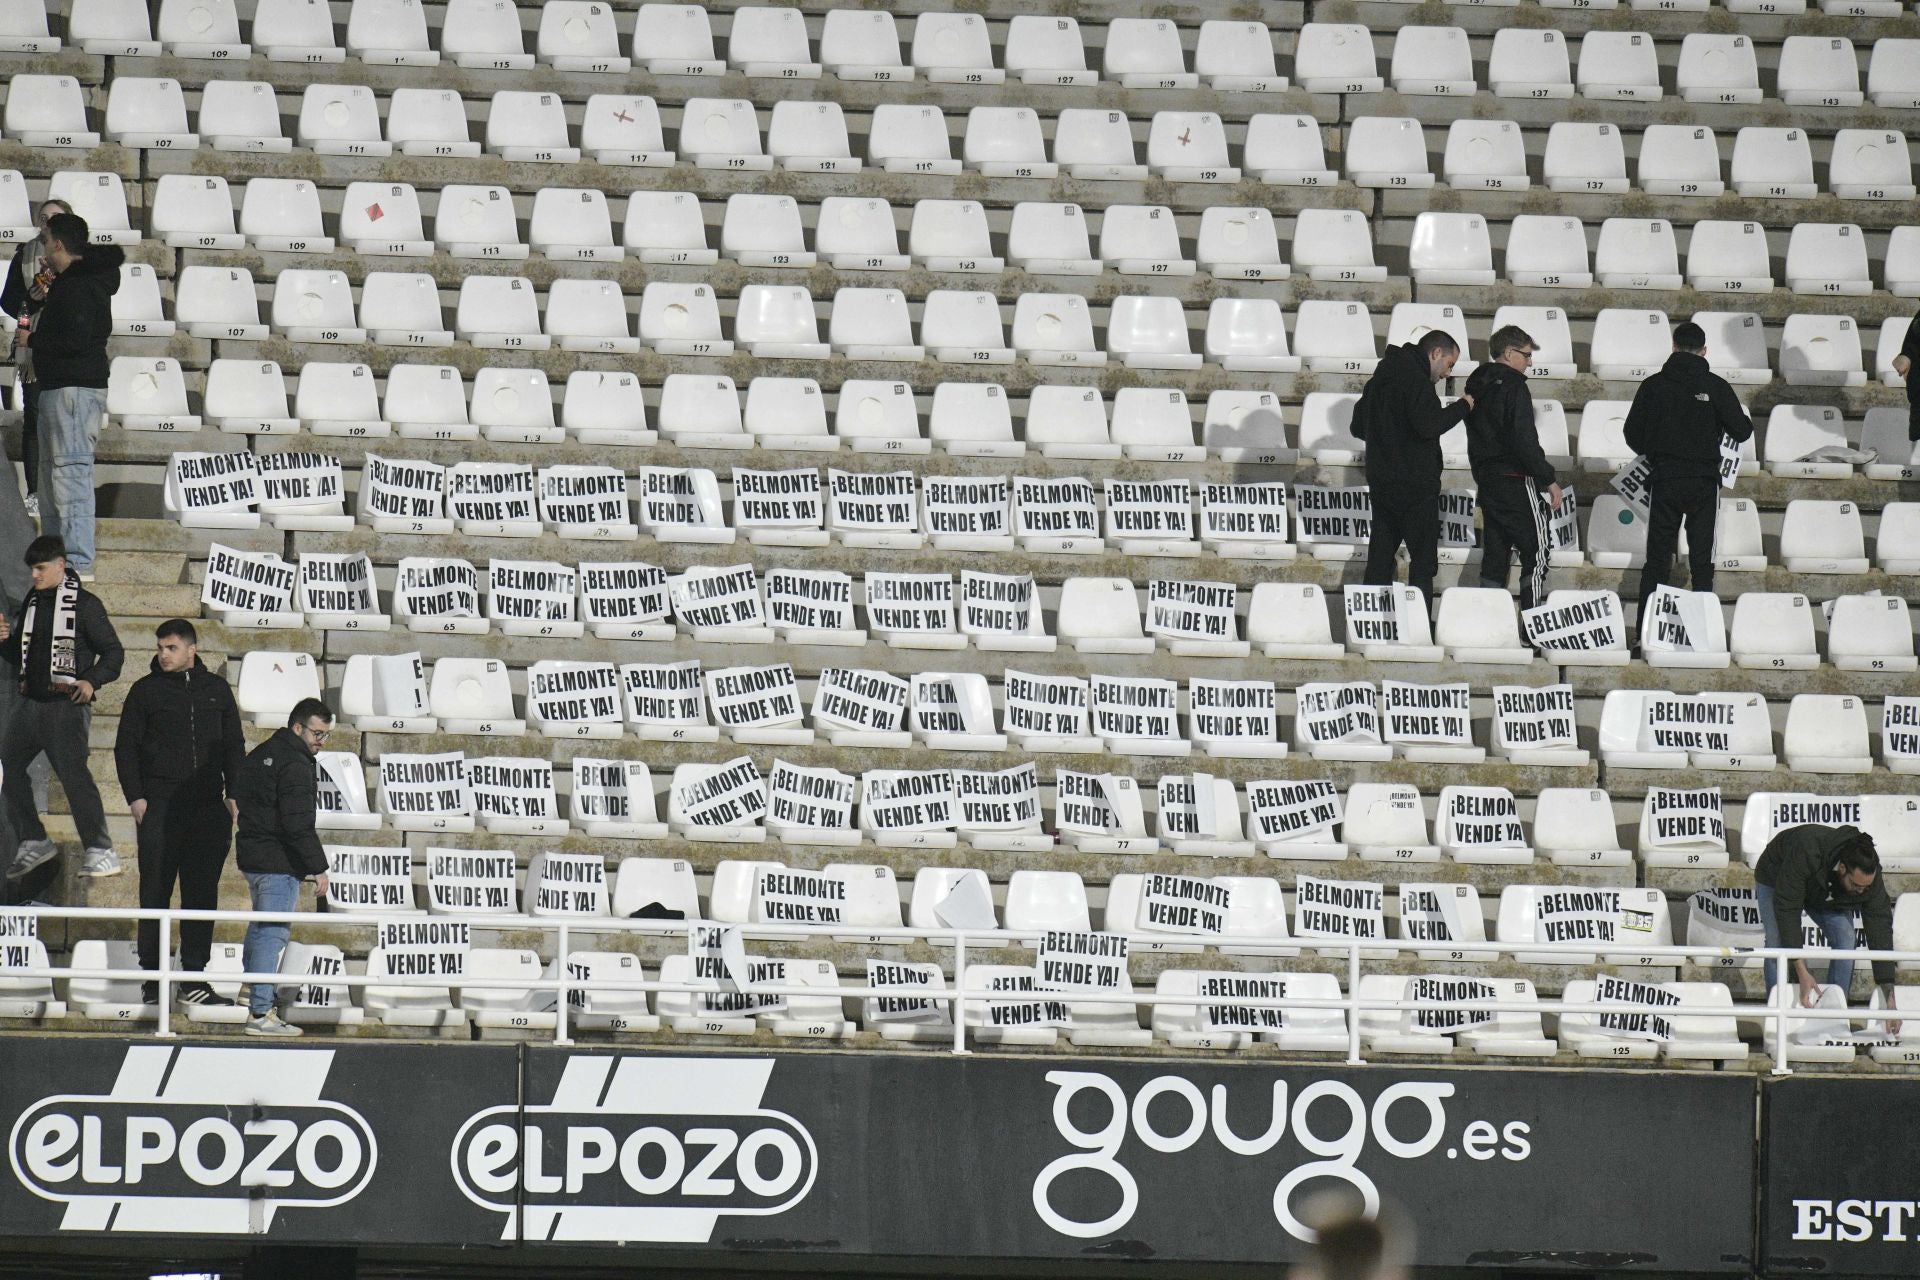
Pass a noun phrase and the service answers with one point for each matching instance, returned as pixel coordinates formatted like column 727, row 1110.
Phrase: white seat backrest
column 1618, row 58
column 338, row 113
column 586, row 309
column 676, row 32
column 1574, row 820
column 772, row 313
column 1815, row 344
column 1138, row 323
column 761, row 224
column 1629, row 337
column 386, row 26
column 1394, row 145
column 1477, row 618
column 1082, row 135
column 1289, row 613
column 1546, row 244
column 767, row 34
column 497, row 305
column 908, row 132
column 719, row 126
column 1430, row 54
column 697, row 404
column 1450, row 242
column 951, row 42
column 1581, row 150
column 215, row 295
column 1821, row 65
column 1284, row 144
column 1826, row 724
column 1529, row 57
column 808, row 130
column 1098, row 608
column 312, row 299
column 1332, row 238
column 957, row 318
column 1039, row 900
column 1772, row 156
column 664, row 220
column 1710, row 61
column 1730, row 250
column 948, row 228
column 273, row 683
column 191, row 204
column 1336, row 51
column 1332, row 329
column 1819, row 529
column 679, row 313
column 1636, row 246
column 147, row 387
column 100, row 198
column 859, row 38
column 1252, row 327
column 1796, row 430
column 520, row 118
column 568, row 217
column 1735, row 340
column 973, row 412
column 1326, row 422
column 1036, row 43
column 471, row 689
column 480, row 27
column 1478, row 149
column 1824, row 252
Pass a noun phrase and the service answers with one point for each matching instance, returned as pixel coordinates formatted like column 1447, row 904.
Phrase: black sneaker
column 201, row 994
column 149, row 993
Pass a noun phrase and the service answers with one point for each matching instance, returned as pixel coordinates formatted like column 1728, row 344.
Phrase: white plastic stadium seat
column 579, row 35
column 1143, row 240
column 573, row 224
column 907, row 138
column 1237, row 57
column 241, row 115
column 1584, row 157
column 1432, row 61
column 1005, row 142
column 1239, row 244
column 1451, row 248
column 117, row 27
column 148, row 115
column 1095, row 144
column 951, row 235
column 1828, row 258
column 1776, row 163
column 1189, row 146
column 136, row 306
column 1736, row 345
column 1773, row 631
column 48, row 111
column 764, row 231
column 1618, row 65
column 959, row 326
column 1893, row 71
column 1729, row 257
column 620, row 129
column 770, row 41
column 589, row 315
column 340, row 120
column 1145, row 53
column 529, row 127
column 1870, row 164
column 1795, row 431
column 1823, row 537
column 482, row 34
column 773, row 321
column 1637, row 253
column 1250, row 334
column 681, row 319
column 722, row 133
column 1529, row 64
column 383, row 219
column 1485, row 155
column 148, row 394
column 667, row 227
column 1335, row 337
column 1718, row 68
column 675, row 40
column 1388, row 151
column 315, row 306
column 402, row 309
column 1150, row 332
column 390, row 33
column 1897, row 547
column 477, row 222
column 1047, row 50
column 217, row 302
column 1871, row 633
column 1050, row 239
column 1680, row 160
column 194, row 212
column 1822, row 71
column 1822, row 351
column 1286, row 150
column 1827, row 733
column 954, row 48
column 1548, row 251
column 283, row 215
column 1336, row 58
column 100, row 198
column 811, row 137
column 23, row 28
column 296, row 31
column 272, row 683
column 201, row 29
column 1335, row 245
column 872, row 324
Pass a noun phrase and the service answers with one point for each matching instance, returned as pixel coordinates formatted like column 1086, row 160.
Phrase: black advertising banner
column 1840, row 1195
column 326, row 1143
column 867, row 1153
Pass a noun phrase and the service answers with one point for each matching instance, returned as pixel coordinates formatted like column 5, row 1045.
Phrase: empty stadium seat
column 1736, row 345
column 1479, row 624
column 1335, row 245
column 148, row 115
column 1635, row 253
column 283, row 215
column 1237, row 57
column 1893, row 72
column 1728, row 257
column 1821, row 351
column 1143, row 240
column 1387, row 152
column 963, row 327
column 1871, row 633
column 23, row 28
column 479, row 35
column 315, row 306
column 194, row 212
column 136, row 305
column 114, row 27
column 101, row 199
column 1827, row 733
column 1827, row 258
column 389, row 33
column 904, row 138
column 241, row 115
column 1451, row 248
column 1286, row 150
column 529, row 128
column 340, row 120
column 48, row 111
column 1095, row 144
column 201, row 29
column 954, row 48
column 1334, row 57
column 579, row 35
column 1431, row 61
column 1584, row 157
column 217, row 302
column 499, row 311
column 1823, row 537
column 1148, row 332
column 1817, row 71
column 271, row 683
column 1618, row 65
column 1486, row 155
column 770, row 41
column 1249, row 334
column 148, row 394
column 811, row 137
column 1773, row 631
column 1718, row 68
column 1046, row 50
column 675, row 40
column 1679, row 160
column 1870, row 164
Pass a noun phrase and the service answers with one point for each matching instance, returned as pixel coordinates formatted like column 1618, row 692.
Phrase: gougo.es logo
column 1331, row 1123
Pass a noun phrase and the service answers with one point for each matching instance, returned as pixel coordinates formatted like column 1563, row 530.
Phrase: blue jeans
column 267, row 939
column 69, row 422
column 1837, row 925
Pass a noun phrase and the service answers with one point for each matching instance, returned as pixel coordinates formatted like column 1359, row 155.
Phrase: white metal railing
column 1779, row 1014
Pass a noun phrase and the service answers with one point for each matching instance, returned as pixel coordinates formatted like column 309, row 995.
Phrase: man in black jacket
column 1903, row 365
column 69, row 346
column 28, row 276
column 64, row 647
column 277, row 846
column 1402, row 420
column 178, row 753
column 1829, row 873
column 1518, row 490
column 1678, row 419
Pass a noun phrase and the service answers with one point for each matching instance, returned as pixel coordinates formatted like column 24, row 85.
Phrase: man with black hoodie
column 1518, row 491
column 178, row 753
column 1401, row 419
column 277, row 846
column 69, row 346
column 1828, row 873
column 1678, row 419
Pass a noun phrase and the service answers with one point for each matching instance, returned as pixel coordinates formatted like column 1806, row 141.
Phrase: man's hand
column 1554, row 495
column 6, row 628
column 20, row 337
column 138, row 808
column 81, row 693
column 1809, row 989
column 319, row 889
column 1467, row 398
column 233, row 809
column 1891, row 1028
column 1901, row 365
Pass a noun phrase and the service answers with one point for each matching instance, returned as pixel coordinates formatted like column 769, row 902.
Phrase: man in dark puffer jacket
column 1518, row 491
column 178, row 754
column 1401, row 419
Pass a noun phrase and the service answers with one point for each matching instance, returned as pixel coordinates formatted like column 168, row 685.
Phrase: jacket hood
column 1686, row 364
column 198, row 668
column 100, row 260
column 1406, row 361
column 1488, row 375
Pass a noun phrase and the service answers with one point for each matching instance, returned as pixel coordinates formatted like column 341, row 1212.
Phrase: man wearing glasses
column 1518, row 490
column 277, row 847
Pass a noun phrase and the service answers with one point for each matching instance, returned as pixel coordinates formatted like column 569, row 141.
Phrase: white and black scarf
column 63, row 660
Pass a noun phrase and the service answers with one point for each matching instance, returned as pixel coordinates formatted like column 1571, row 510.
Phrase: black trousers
column 30, row 433
column 183, row 838
column 60, row 729
column 1515, row 519
column 1414, row 520
column 1695, row 501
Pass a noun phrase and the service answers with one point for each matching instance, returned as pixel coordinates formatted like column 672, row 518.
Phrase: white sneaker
column 271, row 1024
column 31, row 854
column 100, row 863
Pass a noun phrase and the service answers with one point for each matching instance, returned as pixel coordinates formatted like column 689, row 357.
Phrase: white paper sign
column 1900, row 728
column 1091, row 802
column 1186, row 804
column 947, row 702
column 247, row 581
column 1339, row 908
column 472, row 881
column 367, row 879
column 1689, row 723
column 1293, row 810
column 1150, row 509
column 1729, row 461
column 814, row 599
column 802, row 797
column 402, row 489
column 203, row 482
column 754, row 697
column 1431, row 913
column 996, row 603
column 1054, row 508
column 969, row 506
column 491, row 491
column 1344, row 712
column 1135, row 707
column 777, row 499
column 1576, row 915
column 1243, row 512
column 1427, row 712
column 1228, row 997
column 705, row 597
column 1373, row 615
column 432, row 588
column 1482, row 818
column 531, row 590
column 1024, row 1013
column 609, row 790
column 1631, row 483
column 1674, row 621
column 1723, row 909
column 871, row 503
column 571, row 884
column 1457, row 510
column 1183, row 904
column 790, row 896
column 298, row 480
column 1072, row 960
column 999, row 799
column 574, row 692
column 686, row 497
column 910, row 602
column 1530, row 718
column 1563, row 526
column 1233, row 710
column 1186, row 610
column 20, row 924
column 909, row 800
column 670, row 693
column 868, row 701
column 340, row 783
column 898, row 975
column 1637, row 1021
column 337, row 582
column 1685, row 816
column 733, row 795
column 1590, row 621
column 512, row 787
column 1437, row 999
column 425, row 948
column 622, row 591
column 1342, row 515
column 1046, row 706
column 1788, row 809
column 584, row 495
column 426, row 786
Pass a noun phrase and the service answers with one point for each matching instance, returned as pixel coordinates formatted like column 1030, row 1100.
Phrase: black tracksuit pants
column 1515, row 518
column 183, row 838
column 1414, row 520
column 1694, row 500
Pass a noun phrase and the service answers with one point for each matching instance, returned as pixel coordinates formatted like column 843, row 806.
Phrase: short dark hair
column 309, row 709
column 1436, row 340
column 1688, row 336
column 1352, row 1249
column 45, row 549
column 176, row 627
column 1859, row 854
column 70, row 229
column 1506, row 338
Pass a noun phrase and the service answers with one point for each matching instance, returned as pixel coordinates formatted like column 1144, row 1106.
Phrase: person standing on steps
column 178, row 754
column 277, row 846
column 1518, row 490
column 28, row 276
column 64, row 647
column 1401, row 419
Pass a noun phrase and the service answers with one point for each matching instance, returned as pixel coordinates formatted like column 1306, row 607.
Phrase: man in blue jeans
column 277, row 847
column 68, row 343
column 1827, row 872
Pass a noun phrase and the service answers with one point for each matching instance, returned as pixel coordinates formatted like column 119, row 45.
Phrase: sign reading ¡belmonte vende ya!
column 878, row 1154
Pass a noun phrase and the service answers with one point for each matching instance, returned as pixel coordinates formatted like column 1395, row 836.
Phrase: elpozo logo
column 638, row 1148
column 196, row 1139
